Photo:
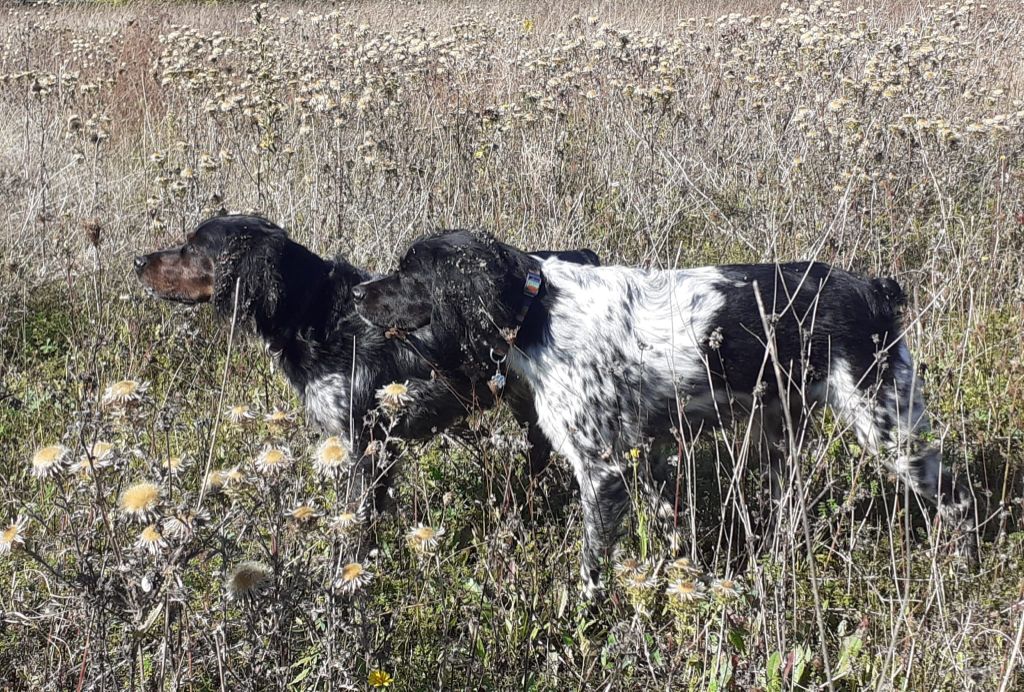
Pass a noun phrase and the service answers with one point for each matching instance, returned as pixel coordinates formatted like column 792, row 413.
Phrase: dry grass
column 886, row 140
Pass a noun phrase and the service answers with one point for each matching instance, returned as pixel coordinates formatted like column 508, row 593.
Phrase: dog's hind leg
column 888, row 415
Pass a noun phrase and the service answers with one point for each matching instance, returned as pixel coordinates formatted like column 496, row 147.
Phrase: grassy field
column 145, row 544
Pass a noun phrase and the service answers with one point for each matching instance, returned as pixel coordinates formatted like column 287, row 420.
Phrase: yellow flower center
column 272, row 457
column 172, row 463
column 396, row 389
column 351, row 571
column 123, row 389
column 47, row 456
column 333, row 452
column 140, row 497
column 100, row 449
column 303, row 513
column 239, row 411
column 424, row 533
column 151, row 534
column 379, row 678
column 9, row 534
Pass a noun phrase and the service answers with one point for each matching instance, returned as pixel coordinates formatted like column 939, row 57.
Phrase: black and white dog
column 621, row 358
column 301, row 306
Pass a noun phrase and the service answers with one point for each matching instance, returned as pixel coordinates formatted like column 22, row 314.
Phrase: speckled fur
column 622, row 359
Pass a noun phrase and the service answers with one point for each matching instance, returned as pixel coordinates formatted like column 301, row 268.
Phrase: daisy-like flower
column 124, row 393
column 345, row 522
column 423, row 538
column 278, row 420
column 215, row 481
column 642, row 578
column 47, row 461
column 683, row 567
column 686, row 590
column 233, row 475
column 13, row 535
column 238, row 414
column 379, row 678
column 273, row 459
column 247, row 578
column 626, row 567
column 303, row 514
column 330, row 456
column 83, row 469
column 151, row 540
column 182, row 525
column 100, row 455
column 727, row 589
column 173, row 464
column 139, row 501
column 394, row 396
column 177, row 528
column 353, row 577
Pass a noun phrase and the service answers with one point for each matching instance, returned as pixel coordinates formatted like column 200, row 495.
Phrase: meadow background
column 886, row 139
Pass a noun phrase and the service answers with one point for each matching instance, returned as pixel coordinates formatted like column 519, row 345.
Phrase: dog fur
column 301, row 306
column 622, row 359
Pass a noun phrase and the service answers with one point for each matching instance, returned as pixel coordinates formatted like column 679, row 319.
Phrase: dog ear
column 448, row 323
column 251, row 265
column 473, row 305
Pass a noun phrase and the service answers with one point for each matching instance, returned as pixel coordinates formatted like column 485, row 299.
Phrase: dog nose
column 358, row 292
column 140, row 263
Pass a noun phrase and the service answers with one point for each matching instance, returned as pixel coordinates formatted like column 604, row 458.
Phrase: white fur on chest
column 327, row 400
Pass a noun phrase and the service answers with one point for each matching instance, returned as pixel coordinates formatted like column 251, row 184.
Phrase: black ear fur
column 475, row 294
column 450, row 329
column 252, row 262
column 343, row 277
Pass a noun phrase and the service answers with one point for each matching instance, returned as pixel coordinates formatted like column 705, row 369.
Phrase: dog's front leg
column 605, row 503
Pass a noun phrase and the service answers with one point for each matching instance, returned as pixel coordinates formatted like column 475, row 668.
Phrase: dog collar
column 531, row 288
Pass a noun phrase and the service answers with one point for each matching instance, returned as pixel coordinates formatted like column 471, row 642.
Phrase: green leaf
column 737, row 640
column 773, row 672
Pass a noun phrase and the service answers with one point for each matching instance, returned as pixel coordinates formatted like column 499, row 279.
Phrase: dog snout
column 359, row 292
column 140, row 263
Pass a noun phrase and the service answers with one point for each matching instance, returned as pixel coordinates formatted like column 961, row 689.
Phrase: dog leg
column 520, row 400
column 605, row 503
column 901, row 411
column 891, row 421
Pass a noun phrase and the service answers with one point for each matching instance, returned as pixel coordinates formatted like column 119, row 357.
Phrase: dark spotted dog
column 301, row 306
column 621, row 358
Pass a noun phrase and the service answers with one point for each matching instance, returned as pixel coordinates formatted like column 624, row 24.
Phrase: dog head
column 467, row 286
column 243, row 265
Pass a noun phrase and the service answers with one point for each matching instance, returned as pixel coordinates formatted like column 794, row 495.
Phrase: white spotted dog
column 620, row 357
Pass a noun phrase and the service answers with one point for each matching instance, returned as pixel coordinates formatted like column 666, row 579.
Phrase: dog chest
column 327, row 403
